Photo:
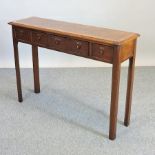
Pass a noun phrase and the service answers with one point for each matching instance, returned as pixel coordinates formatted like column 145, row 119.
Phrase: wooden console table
column 110, row 46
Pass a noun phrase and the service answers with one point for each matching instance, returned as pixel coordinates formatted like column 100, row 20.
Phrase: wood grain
column 17, row 67
column 111, row 46
column 91, row 33
column 116, row 69
column 130, row 80
column 35, row 60
column 127, row 50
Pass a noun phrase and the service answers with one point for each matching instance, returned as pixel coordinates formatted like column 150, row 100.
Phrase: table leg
column 35, row 69
column 17, row 67
column 130, row 86
column 114, row 96
column 129, row 91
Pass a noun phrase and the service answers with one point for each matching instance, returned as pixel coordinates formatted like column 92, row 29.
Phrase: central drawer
column 78, row 47
column 68, row 45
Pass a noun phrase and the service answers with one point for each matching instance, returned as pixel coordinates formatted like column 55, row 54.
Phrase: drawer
column 77, row 47
column 57, row 43
column 23, row 35
column 40, row 38
column 102, row 52
column 68, row 45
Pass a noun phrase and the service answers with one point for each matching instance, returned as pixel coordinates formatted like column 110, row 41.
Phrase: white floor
column 71, row 114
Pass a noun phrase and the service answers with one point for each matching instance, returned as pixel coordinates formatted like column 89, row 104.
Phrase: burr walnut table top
column 91, row 33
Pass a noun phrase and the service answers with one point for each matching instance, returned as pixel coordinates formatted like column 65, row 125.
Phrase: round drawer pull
column 57, row 41
column 39, row 36
column 101, row 50
column 78, row 45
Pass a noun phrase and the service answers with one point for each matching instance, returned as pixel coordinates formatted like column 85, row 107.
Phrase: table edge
column 89, row 38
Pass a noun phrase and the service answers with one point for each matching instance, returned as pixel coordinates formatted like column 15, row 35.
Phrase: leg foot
column 20, row 99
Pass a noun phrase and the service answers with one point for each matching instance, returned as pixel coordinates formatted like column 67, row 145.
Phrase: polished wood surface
column 93, row 33
column 35, row 60
column 129, row 87
column 106, row 45
column 17, row 66
column 114, row 93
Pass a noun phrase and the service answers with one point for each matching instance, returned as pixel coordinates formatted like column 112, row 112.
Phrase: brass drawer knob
column 38, row 36
column 101, row 50
column 57, row 41
column 78, row 45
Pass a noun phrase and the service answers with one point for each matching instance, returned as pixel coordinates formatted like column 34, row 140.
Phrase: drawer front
column 76, row 47
column 68, row 45
column 57, row 43
column 23, row 35
column 40, row 39
column 102, row 52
